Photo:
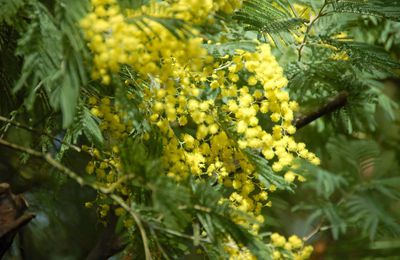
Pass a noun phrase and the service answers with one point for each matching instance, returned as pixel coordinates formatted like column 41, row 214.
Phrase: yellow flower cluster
column 210, row 150
column 182, row 77
column 106, row 164
column 112, row 123
column 197, row 11
column 264, row 96
column 144, row 43
column 194, row 98
column 292, row 248
column 238, row 253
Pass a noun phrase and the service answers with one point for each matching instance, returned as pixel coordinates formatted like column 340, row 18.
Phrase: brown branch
column 336, row 103
column 12, row 216
column 28, row 128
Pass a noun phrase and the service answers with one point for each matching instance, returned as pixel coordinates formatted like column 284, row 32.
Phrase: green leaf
column 388, row 9
column 332, row 213
column 68, row 100
column 264, row 172
column 168, row 197
column 325, row 182
column 8, row 9
column 370, row 215
column 263, row 16
column 91, row 128
column 52, row 53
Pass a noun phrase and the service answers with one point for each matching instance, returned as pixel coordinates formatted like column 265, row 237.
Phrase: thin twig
column 196, row 207
column 336, row 103
column 21, row 148
column 178, row 234
column 7, row 126
column 28, row 128
column 165, row 255
column 309, row 27
column 114, row 185
column 138, row 221
column 315, row 231
column 71, row 174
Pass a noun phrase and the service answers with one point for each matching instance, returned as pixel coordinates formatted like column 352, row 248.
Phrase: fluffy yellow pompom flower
column 176, row 74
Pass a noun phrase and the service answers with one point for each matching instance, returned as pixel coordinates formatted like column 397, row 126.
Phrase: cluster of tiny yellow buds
column 106, row 164
column 150, row 50
column 341, row 55
column 198, row 11
column 209, row 150
column 111, row 121
column 264, row 95
column 192, row 11
column 103, row 210
column 107, row 171
column 236, row 252
column 292, row 248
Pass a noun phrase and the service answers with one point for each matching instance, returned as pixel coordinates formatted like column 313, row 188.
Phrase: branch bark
column 334, row 104
column 12, row 216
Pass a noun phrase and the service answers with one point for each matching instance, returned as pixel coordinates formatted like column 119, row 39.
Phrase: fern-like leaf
column 371, row 216
column 262, row 16
column 388, row 9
